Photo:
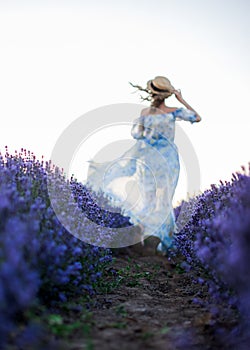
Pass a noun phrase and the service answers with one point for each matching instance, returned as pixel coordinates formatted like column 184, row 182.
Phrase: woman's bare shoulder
column 146, row 111
column 170, row 109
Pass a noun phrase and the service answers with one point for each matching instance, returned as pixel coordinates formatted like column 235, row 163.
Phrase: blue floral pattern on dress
column 152, row 164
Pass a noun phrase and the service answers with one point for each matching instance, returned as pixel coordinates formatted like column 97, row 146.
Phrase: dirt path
column 151, row 308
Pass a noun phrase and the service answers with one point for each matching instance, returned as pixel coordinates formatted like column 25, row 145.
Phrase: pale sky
column 62, row 59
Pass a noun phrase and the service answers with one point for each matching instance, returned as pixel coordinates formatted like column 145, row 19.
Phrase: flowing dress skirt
column 142, row 183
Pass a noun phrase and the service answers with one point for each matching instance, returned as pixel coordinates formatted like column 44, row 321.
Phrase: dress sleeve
column 137, row 130
column 185, row 114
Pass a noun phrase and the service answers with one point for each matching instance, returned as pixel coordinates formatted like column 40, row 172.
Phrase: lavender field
column 58, row 292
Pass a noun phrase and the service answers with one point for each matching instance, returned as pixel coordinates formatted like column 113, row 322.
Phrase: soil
column 151, row 308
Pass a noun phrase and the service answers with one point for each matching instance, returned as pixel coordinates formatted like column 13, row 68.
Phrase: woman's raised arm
column 179, row 97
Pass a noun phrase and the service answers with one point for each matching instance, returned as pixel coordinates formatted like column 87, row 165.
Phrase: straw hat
column 160, row 85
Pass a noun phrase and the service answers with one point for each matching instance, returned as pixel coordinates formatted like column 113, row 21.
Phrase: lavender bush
column 40, row 262
column 217, row 240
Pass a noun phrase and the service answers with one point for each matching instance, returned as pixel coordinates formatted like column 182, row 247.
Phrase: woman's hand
column 178, row 95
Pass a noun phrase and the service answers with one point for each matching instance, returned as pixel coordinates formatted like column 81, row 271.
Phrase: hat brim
column 168, row 92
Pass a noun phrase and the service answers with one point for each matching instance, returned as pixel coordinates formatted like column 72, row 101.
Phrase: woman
column 152, row 164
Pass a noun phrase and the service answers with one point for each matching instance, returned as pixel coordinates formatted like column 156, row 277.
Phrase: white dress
column 142, row 181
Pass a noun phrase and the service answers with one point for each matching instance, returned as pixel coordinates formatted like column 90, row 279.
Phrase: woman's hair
column 155, row 99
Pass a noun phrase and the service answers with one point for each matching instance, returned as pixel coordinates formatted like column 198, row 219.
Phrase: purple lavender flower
column 39, row 260
column 217, row 240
